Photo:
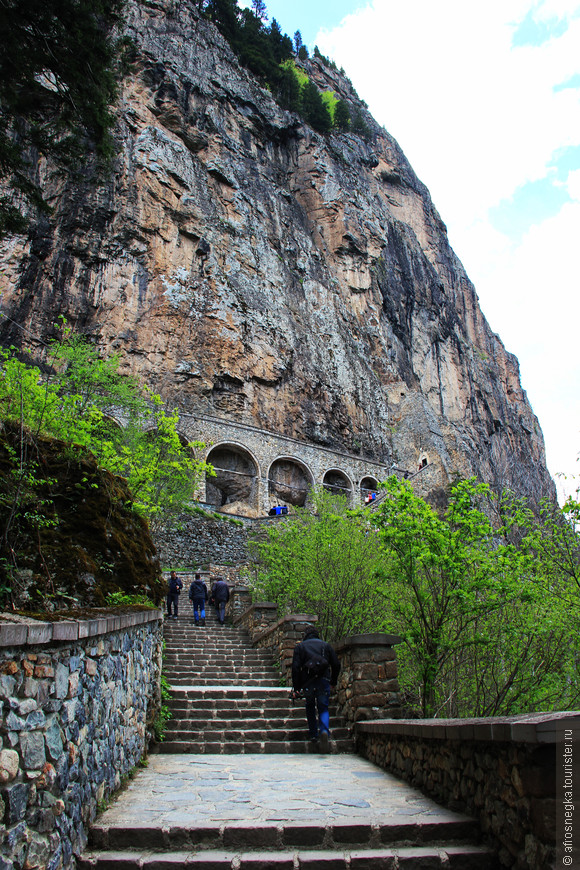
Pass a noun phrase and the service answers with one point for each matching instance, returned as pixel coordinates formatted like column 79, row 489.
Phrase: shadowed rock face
column 251, row 269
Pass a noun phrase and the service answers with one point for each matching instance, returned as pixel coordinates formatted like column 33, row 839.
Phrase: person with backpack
column 315, row 669
column 198, row 597
column 175, row 587
column 220, row 593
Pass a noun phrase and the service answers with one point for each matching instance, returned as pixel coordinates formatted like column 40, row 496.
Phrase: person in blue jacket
column 198, row 597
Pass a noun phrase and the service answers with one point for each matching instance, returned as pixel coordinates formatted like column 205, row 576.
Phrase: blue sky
column 484, row 100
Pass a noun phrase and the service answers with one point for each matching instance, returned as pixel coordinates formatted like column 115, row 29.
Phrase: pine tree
column 57, row 84
column 314, row 110
column 297, row 41
column 259, row 8
column 342, row 116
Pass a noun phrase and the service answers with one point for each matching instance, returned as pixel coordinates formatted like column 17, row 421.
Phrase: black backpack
column 316, row 665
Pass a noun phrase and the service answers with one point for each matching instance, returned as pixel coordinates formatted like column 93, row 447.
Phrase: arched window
column 289, row 482
column 235, row 484
column 368, row 489
column 337, row 482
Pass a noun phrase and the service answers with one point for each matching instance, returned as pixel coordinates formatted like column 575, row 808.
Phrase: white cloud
column 478, row 118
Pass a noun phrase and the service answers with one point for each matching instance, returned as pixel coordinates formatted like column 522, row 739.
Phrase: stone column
column 367, row 686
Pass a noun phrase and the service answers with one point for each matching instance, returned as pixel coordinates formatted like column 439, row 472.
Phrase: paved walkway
column 179, row 790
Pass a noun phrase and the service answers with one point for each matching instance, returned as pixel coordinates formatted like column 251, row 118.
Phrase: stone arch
column 368, row 486
column 289, row 481
column 336, row 481
column 234, row 489
column 423, row 461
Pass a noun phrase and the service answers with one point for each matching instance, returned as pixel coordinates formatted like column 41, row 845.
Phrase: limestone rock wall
column 254, row 270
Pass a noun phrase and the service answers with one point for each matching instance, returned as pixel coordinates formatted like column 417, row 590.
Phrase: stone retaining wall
column 201, row 541
column 502, row 771
column 78, row 699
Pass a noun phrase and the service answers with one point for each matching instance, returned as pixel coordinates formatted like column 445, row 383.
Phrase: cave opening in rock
column 289, row 482
column 234, row 489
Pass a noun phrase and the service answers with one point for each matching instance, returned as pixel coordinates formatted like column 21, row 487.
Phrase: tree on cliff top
column 57, row 85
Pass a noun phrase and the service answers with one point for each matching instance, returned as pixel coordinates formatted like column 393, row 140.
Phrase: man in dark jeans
column 315, row 668
column 220, row 594
column 175, row 587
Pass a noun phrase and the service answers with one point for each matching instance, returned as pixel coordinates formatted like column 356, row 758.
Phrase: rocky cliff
column 251, row 269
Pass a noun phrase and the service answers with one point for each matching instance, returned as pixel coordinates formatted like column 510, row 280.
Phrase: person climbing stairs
column 273, row 805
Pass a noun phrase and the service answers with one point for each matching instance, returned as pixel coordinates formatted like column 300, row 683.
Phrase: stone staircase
column 272, row 806
column 227, row 697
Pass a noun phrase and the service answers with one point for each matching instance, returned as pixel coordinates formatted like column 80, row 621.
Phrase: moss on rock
column 70, row 532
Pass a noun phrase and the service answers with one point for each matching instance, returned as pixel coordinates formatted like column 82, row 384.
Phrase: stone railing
column 78, row 698
column 502, row 771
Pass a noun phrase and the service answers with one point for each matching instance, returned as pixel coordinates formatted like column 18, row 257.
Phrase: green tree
column 342, row 116
column 71, row 400
column 326, row 562
column 259, row 9
column 314, row 110
column 58, row 65
column 484, row 633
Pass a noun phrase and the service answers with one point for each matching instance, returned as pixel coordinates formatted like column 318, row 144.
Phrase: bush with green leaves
column 72, row 399
column 486, row 597
column 327, row 561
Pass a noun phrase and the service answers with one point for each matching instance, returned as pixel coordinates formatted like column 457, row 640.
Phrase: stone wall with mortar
column 368, row 685
column 502, row 771
column 199, row 542
column 78, row 698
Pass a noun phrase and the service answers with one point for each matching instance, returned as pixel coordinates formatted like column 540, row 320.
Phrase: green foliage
column 269, row 53
column 313, row 108
column 486, row 597
column 71, row 404
column 484, row 633
column 328, row 563
column 342, row 116
column 160, row 723
column 58, row 75
column 124, row 599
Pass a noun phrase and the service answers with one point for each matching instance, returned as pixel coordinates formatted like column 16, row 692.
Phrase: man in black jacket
column 175, row 587
column 220, row 594
column 315, row 669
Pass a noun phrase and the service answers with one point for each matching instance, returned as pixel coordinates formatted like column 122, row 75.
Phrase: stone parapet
column 78, row 699
column 500, row 770
column 368, row 687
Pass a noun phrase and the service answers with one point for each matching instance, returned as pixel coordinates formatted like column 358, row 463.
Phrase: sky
column 484, row 100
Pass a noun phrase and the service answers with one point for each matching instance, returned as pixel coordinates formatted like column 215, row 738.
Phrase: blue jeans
column 198, row 605
column 221, row 609
column 317, row 695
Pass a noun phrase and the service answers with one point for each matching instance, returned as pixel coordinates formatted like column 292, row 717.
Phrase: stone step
column 214, row 680
column 436, row 842
column 239, row 722
column 247, row 747
column 405, row 858
column 233, row 671
column 228, row 734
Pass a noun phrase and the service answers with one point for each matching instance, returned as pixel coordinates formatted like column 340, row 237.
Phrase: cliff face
column 251, row 269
